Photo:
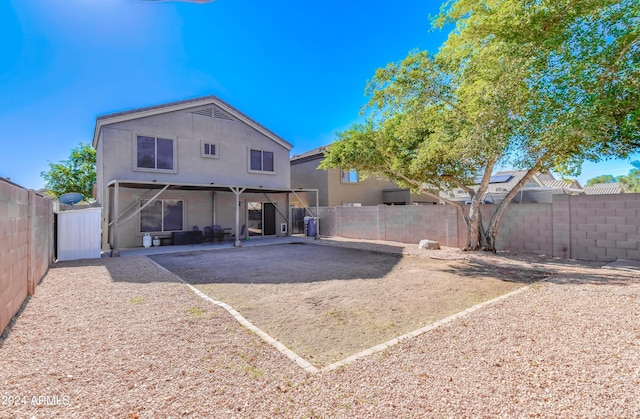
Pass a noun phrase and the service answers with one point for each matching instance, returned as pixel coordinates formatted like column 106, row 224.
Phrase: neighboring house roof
column 544, row 177
column 562, row 184
column 556, row 183
column 116, row 117
column 497, row 178
column 518, row 174
column 603, row 189
column 309, row 155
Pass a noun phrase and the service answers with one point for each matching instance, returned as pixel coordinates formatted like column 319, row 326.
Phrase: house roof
column 116, row 117
column 562, row 183
column 545, row 176
column 603, row 189
column 497, row 178
column 316, row 153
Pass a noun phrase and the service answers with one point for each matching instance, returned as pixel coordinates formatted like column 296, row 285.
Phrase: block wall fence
column 595, row 228
column 26, row 248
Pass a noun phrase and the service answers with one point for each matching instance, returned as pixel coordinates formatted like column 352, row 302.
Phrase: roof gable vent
column 204, row 112
column 220, row 114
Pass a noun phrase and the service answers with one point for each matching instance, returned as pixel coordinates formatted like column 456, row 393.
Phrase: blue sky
column 299, row 68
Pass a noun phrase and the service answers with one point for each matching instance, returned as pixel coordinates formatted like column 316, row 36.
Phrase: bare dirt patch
column 329, row 302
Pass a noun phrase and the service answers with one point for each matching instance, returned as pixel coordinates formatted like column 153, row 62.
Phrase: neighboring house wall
column 595, row 228
column 26, row 249
column 369, row 191
column 333, row 190
column 305, row 174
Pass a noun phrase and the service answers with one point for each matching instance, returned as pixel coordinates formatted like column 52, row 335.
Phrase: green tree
column 601, row 179
column 77, row 174
column 537, row 85
column 631, row 182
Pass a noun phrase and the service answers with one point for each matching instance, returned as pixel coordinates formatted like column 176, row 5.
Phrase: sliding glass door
column 261, row 218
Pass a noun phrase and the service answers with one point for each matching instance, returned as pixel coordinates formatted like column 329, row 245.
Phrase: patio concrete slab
column 253, row 241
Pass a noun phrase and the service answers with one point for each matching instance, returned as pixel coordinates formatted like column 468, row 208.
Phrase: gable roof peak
column 106, row 119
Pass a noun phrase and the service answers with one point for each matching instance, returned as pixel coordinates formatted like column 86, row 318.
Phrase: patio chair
column 207, row 235
column 218, row 232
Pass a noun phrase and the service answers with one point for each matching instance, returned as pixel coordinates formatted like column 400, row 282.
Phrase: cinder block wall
column 26, row 248
column 524, row 228
column 599, row 228
column 410, row 224
column 596, row 228
column 328, row 219
column 358, row 222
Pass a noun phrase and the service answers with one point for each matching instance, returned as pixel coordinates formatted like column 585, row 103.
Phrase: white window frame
column 349, row 173
column 262, row 151
column 155, row 170
column 162, row 231
column 203, row 145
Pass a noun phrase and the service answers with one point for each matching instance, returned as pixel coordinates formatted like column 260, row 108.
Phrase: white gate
column 79, row 234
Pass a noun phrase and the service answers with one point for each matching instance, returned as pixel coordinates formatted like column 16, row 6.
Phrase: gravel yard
column 326, row 303
column 122, row 338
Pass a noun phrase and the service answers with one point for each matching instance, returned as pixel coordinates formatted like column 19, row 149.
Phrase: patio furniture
column 207, row 236
column 186, row 237
column 219, row 232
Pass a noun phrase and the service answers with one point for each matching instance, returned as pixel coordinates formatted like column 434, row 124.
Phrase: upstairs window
column 209, row 150
column 261, row 161
column 349, row 176
column 153, row 153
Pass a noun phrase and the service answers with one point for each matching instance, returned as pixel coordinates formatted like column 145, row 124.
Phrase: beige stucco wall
column 307, row 175
column 201, row 208
column 116, row 160
column 365, row 192
column 116, row 151
column 331, row 190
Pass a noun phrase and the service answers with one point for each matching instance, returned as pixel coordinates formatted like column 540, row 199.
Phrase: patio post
column 114, row 248
column 317, row 236
column 237, row 191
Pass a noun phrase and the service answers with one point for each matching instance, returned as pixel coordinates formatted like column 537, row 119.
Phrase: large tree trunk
column 491, row 232
column 475, row 230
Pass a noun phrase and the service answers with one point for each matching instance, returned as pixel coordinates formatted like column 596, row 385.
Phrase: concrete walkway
column 624, row 264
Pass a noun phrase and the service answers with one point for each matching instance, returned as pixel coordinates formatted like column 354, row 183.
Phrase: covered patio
column 198, row 204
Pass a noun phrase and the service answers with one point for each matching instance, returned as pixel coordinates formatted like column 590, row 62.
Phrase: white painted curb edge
column 349, row 360
column 418, row 332
column 246, row 323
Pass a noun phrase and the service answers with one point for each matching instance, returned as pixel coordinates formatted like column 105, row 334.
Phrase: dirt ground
column 327, row 302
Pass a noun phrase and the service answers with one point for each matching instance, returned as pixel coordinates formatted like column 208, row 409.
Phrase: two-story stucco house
column 183, row 165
